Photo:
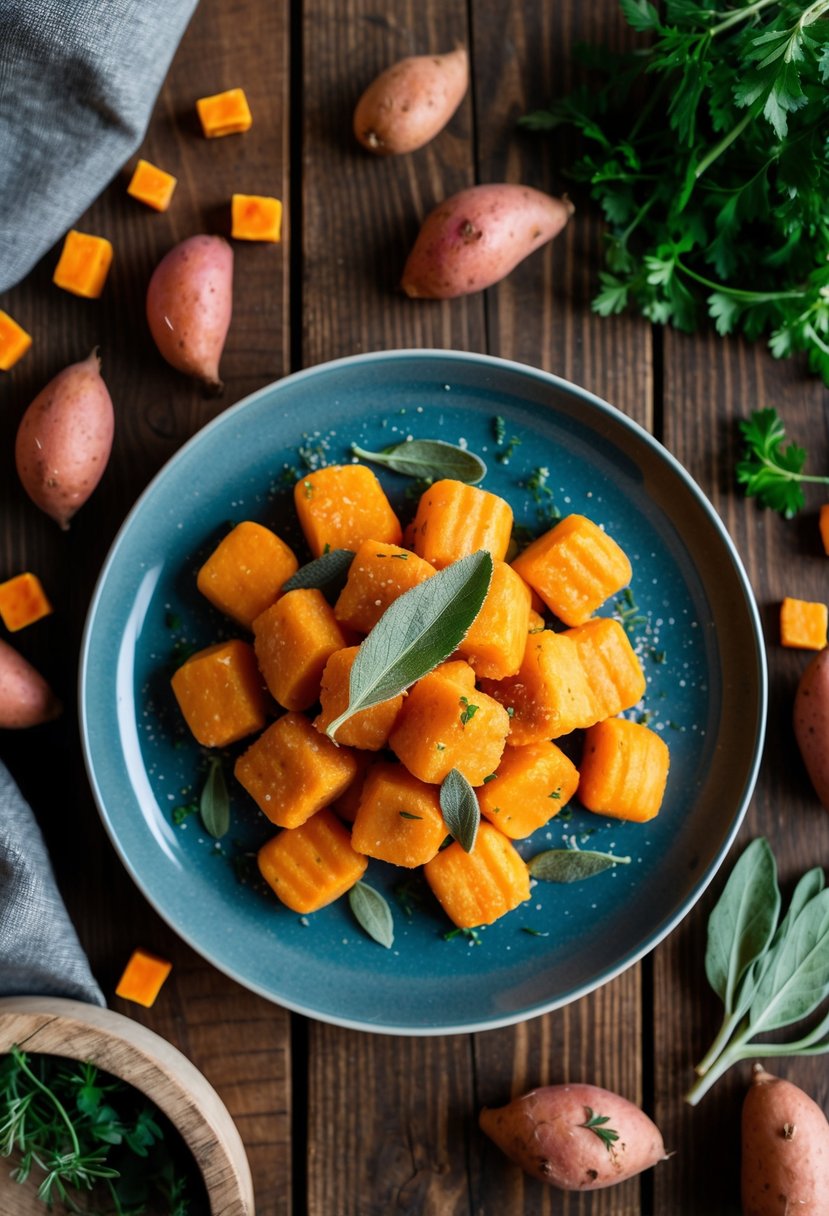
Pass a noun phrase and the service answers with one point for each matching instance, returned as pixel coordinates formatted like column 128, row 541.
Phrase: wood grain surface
column 337, row 1122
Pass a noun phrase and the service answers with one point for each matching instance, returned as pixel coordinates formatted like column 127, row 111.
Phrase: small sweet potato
column 785, row 1150
column 575, row 1137
column 476, row 237
column 189, row 304
column 409, row 103
column 25, row 697
column 811, row 722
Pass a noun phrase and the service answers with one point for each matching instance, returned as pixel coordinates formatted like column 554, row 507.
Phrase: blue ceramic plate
column 692, row 618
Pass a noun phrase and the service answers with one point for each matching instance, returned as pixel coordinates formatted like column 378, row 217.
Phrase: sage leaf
column 743, row 921
column 429, row 459
column 214, row 804
column 572, row 865
column 322, row 571
column 796, row 979
column 372, row 913
column 415, row 633
column 812, row 882
column 461, row 812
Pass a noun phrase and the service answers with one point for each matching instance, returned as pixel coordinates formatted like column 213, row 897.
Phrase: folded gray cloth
column 40, row 953
column 78, row 80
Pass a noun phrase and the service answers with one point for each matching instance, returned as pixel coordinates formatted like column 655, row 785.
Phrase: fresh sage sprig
column 372, row 913
column 214, row 804
column 460, row 809
column 428, row 459
column 415, row 633
column 572, row 865
column 322, row 571
column 768, row 974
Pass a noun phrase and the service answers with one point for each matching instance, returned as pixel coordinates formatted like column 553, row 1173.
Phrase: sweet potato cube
column 310, row 866
column 476, row 888
column 454, row 520
column 294, row 639
column 341, row 506
column 495, row 643
column 623, row 770
column 255, row 217
column 23, row 601
column 143, row 977
column 803, row 624
column 84, row 264
column 613, row 670
column 379, row 574
column 151, row 186
column 445, row 723
column 225, row 113
column 292, row 771
column 823, row 523
column 549, row 696
column 219, row 692
column 531, row 785
column 370, row 728
column 399, row 818
column 14, row 342
column 574, row 567
column 244, row 574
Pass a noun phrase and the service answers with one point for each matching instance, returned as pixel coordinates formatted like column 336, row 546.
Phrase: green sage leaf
column 743, row 921
column 461, row 812
column 429, row 459
column 372, row 913
column 572, row 865
column 796, row 979
column 322, row 571
column 415, row 633
column 214, row 804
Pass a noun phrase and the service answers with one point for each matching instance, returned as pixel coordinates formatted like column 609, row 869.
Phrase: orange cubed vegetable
column 341, row 506
column 152, row 186
column 142, row 978
column 495, row 643
column 824, row 518
column 550, row 695
column 446, row 723
column 379, row 574
column 294, row 639
column 476, row 888
column 574, row 567
column 624, row 770
column 14, row 342
column 348, row 802
column 535, row 622
column 292, row 771
column 803, row 624
column 22, row 601
column 613, row 670
column 399, row 818
column 370, row 728
column 454, row 520
column 225, row 113
column 219, row 692
column 310, row 866
column 244, row 575
column 255, row 217
column 531, row 785
column 84, row 264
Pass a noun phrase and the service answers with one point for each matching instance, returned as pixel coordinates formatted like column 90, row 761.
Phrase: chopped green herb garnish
column 596, row 1124
column 499, row 429
column 468, row 711
column 180, row 813
column 472, row 936
column 769, row 471
column 491, row 777
column 408, row 815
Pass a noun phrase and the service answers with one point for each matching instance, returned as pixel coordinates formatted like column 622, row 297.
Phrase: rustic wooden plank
column 241, row 1042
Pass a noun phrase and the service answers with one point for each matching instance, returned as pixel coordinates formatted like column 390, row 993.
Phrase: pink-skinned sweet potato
column 25, row 697
column 575, row 1137
column 475, row 238
column 411, row 101
column 785, row 1150
column 189, row 304
column 811, row 722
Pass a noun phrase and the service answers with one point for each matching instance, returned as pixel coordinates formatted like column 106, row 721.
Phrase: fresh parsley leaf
column 770, row 471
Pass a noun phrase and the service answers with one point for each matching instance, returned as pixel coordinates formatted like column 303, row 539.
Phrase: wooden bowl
column 127, row 1050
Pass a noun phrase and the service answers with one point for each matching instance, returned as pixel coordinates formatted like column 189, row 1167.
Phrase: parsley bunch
column 708, row 150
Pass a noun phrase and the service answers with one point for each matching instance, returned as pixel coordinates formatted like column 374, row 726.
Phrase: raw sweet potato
column 576, row 1137
column 25, row 697
column 785, row 1150
column 410, row 102
column 811, row 722
column 189, row 303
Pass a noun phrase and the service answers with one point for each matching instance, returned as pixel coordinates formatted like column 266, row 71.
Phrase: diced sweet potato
column 14, row 342
column 219, row 691
column 245, row 572
column 292, row 771
column 531, row 785
column 613, row 670
column 823, row 524
column 574, row 567
column 495, row 643
column 255, row 217
column 225, row 113
column 399, row 818
column 549, row 696
column 23, row 601
column 151, row 186
column 454, row 519
column 379, row 574
column 370, row 728
column 341, row 506
column 803, row 624
column 143, row 977
column 84, row 264
column 294, row 639
column 476, row 888
column 310, row 866
column 624, row 770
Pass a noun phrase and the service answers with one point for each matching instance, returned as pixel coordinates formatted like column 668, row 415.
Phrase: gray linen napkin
column 39, row 950
column 78, row 80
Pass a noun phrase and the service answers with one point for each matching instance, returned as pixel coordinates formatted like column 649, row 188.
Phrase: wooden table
column 341, row 1123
